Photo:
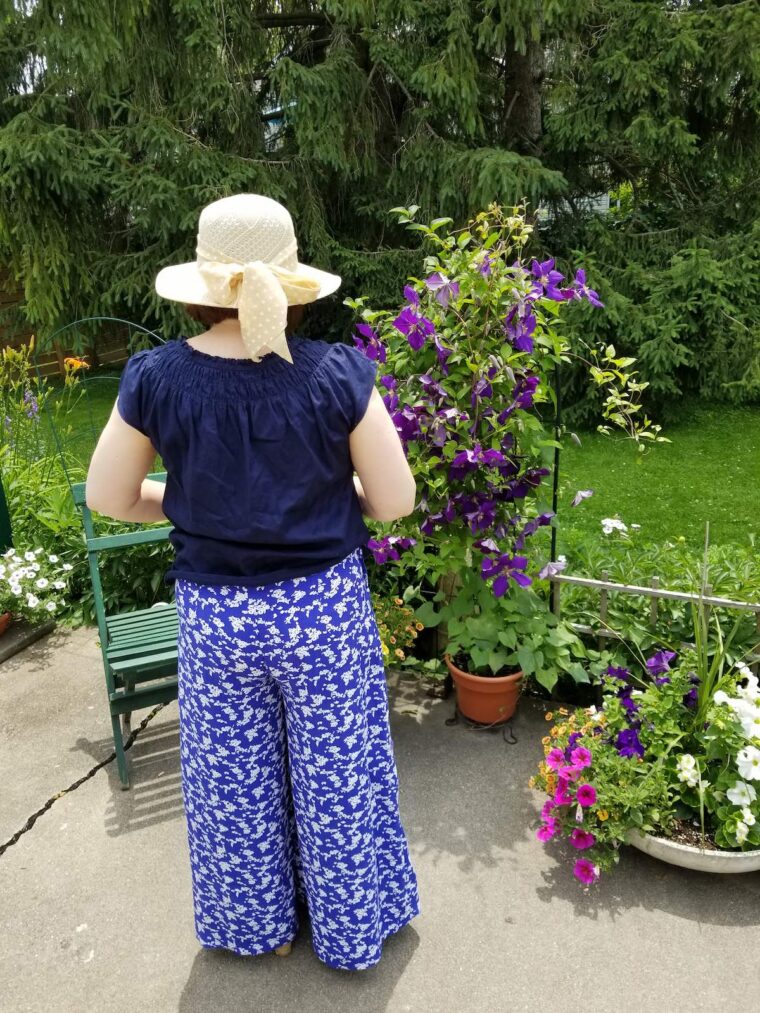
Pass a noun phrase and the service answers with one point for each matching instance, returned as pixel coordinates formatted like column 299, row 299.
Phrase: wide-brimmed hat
column 247, row 258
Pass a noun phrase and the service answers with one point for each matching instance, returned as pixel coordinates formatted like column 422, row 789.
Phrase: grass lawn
column 710, row 472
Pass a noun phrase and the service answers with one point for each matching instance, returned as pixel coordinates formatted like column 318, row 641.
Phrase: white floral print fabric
column 289, row 777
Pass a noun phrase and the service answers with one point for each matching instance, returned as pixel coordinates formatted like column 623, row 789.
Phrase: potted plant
column 468, row 365
column 32, row 584
column 669, row 764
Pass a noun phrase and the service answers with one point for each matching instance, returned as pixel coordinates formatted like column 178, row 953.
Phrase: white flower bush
column 31, row 583
column 610, row 524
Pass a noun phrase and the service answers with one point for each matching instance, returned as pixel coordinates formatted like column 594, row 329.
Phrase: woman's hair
column 210, row 315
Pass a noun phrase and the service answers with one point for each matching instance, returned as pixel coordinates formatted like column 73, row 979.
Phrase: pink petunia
column 582, row 839
column 570, row 773
column 581, row 757
column 561, row 796
column 546, row 811
column 549, row 830
column 586, row 871
column 555, row 759
column 586, row 795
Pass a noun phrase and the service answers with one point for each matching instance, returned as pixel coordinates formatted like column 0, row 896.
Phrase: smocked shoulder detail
column 233, row 380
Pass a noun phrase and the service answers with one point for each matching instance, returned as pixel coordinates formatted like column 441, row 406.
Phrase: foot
column 284, row 950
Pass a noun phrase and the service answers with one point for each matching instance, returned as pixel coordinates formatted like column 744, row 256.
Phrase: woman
column 289, row 780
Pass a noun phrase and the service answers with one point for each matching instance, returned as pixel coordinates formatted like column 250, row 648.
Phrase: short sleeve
column 354, row 376
column 131, row 396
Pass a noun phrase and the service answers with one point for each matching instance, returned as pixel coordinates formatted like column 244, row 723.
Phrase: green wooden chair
column 139, row 647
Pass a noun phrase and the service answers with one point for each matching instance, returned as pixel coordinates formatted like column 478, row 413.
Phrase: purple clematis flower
column 481, row 388
column 580, row 290
column 443, row 353
column 552, row 568
column 389, row 382
column 373, row 348
column 485, row 264
column 443, row 289
column 547, row 278
column 415, row 327
column 582, row 494
column 387, row 548
column 410, row 295
column 504, row 569
column 519, row 329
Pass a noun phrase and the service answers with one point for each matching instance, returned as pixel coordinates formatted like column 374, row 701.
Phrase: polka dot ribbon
column 261, row 291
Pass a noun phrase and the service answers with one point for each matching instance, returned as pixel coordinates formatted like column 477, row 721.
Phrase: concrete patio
column 95, row 898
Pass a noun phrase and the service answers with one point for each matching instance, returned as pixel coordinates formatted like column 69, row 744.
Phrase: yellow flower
column 531, row 782
column 393, row 640
column 548, row 716
column 420, row 626
column 546, row 740
column 554, row 733
column 399, row 601
column 399, row 653
column 602, row 814
column 384, row 646
column 563, row 711
column 75, row 363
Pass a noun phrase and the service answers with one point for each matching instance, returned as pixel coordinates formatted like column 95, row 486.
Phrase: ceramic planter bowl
column 689, row 857
column 485, row 699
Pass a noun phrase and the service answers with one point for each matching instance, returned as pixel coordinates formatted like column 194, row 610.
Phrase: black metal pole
column 6, row 535
column 555, row 477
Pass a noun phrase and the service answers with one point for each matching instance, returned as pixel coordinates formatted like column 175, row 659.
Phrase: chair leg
column 121, row 756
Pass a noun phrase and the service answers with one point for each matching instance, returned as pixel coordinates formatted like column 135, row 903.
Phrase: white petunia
column 9, row 554
column 16, row 589
column 750, row 692
column 741, row 832
column 687, row 769
column 721, row 697
column 741, row 794
column 29, row 557
column 53, row 559
column 59, row 584
column 68, row 566
column 748, row 762
column 35, row 568
column 50, row 606
column 32, row 600
column 41, row 583
column 748, row 817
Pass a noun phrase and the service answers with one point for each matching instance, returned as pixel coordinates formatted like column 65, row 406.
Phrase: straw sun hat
column 247, row 258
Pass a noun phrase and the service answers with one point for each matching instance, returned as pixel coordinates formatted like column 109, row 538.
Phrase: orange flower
column 546, row 740
column 75, row 363
column 393, row 640
column 420, row 626
column 548, row 716
column 399, row 653
column 551, row 783
column 399, row 601
column 563, row 711
column 555, row 733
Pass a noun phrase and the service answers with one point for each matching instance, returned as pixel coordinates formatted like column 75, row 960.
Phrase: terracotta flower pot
column 484, row 698
column 5, row 621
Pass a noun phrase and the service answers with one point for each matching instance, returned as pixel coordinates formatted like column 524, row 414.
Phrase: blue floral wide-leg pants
column 288, row 771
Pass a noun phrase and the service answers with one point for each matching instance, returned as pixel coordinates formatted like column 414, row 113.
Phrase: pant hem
column 343, row 965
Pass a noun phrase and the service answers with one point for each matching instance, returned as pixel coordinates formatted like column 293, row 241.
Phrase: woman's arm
column 384, row 481
column 116, row 482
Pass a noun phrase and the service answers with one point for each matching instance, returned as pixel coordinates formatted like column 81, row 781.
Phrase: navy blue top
column 259, row 479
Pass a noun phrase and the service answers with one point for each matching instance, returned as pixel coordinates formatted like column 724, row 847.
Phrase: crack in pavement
column 72, row 787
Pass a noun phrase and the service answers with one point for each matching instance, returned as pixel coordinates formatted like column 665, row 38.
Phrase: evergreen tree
column 122, row 120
